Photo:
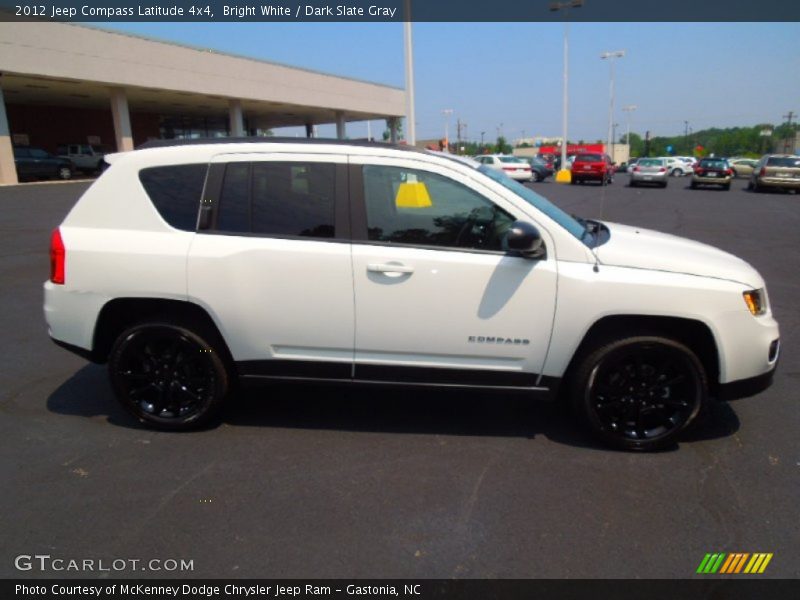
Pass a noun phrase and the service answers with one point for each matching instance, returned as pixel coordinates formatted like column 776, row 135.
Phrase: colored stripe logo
column 734, row 562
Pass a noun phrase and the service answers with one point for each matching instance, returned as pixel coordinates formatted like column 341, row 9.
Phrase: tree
column 387, row 133
column 502, row 146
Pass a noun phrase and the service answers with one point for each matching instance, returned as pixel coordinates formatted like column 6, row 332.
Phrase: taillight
column 728, row 172
column 58, row 257
column 662, row 170
column 635, row 169
column 762, row 172
column 699, row 171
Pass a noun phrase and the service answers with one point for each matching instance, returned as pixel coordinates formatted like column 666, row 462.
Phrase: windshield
column 551, row 210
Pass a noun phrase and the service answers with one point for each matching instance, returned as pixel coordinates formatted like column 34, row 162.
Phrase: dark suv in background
column 35, row 163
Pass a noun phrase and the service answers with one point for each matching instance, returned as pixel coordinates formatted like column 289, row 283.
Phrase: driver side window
column 407, row 206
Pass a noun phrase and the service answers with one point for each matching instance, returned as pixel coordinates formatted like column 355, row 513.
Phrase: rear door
column 272, row 262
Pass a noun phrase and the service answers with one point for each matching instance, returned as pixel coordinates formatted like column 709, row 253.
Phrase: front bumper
column 744, row 388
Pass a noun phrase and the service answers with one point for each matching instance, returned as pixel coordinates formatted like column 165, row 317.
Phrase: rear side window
column 783, row 161
column 278, row 199
column 176, row 191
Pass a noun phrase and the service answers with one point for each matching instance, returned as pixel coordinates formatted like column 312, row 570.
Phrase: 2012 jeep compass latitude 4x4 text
column 187, row 266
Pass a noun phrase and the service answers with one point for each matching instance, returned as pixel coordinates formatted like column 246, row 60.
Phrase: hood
column 639, row 248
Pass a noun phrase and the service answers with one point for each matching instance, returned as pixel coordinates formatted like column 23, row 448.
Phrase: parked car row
column 36, row 163
column 779, row 171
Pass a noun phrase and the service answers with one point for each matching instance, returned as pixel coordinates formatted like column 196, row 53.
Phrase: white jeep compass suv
column 188, row 266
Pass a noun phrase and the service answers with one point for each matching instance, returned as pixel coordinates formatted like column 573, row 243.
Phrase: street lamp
column 628, row 110
column 564, row 175
column 610, row 56
column 411, row 134
column 447, row 112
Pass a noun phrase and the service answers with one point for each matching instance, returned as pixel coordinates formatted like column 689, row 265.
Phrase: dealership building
column 71, row 84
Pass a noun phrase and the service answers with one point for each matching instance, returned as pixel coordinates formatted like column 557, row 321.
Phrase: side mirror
column 525, row 239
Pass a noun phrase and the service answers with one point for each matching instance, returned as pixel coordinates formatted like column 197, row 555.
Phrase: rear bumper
column 779, row 182
column 711, row 180
column 520, row 176
column 649, row 177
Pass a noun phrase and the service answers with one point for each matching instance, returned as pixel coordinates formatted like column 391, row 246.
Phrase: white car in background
column 514, row 167
column 676, row 166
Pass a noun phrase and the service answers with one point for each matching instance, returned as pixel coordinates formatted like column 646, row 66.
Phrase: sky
column 507, row 77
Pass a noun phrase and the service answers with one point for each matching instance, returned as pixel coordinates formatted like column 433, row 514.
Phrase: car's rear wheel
column 168, row 376
column 64, row 173
column 693, row 185
column 639, row 393
column 535, row 177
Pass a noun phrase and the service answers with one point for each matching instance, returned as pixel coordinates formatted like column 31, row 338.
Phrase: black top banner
column 99, row 11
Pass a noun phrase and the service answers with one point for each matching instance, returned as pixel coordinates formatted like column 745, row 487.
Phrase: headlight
column 756, row 301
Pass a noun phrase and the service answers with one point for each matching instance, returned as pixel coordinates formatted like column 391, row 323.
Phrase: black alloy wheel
column 167, row 376
column 640, row 393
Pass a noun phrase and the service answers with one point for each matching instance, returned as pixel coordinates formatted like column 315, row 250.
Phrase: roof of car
column 275, row 140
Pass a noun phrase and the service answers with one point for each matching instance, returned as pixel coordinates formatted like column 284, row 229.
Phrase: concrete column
column 8, row 171
column 309, row 130
column 340, row 126
column 393, row 130
column 236, row 118
column 122, row 120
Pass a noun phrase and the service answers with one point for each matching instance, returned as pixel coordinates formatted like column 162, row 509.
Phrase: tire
column 726, row 187
column 639, row 393
column 168, row 376
column 693, row 185
column 676, row 173
column 632, row 184
column 664, row 185
column 64, row 173
column 535, row 178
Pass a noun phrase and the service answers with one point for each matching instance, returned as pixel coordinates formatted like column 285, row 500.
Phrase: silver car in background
column 650, row 170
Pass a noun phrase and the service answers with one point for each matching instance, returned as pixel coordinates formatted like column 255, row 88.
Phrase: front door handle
column 389, row 268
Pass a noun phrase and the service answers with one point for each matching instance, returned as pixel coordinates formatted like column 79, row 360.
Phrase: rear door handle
column 389, row 268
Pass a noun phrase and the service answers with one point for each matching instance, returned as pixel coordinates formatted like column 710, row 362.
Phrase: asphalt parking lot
column 331, row 482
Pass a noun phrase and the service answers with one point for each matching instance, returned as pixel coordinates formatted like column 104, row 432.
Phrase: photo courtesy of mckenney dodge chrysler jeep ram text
column 189, row 265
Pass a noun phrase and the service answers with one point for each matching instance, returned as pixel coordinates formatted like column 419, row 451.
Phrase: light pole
column 564, row 175
column 628, row 110
column 410, row 123
column 447, row 112
column 482, row 134
column 611, row 56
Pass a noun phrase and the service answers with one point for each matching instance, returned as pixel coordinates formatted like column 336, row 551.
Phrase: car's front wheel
column 64, row 173
column 168, row 376
column 639, row 393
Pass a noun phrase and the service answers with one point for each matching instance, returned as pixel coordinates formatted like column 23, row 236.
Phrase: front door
column 437, row 299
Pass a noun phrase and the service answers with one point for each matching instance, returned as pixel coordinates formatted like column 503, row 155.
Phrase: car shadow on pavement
column 377, row 409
